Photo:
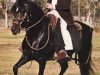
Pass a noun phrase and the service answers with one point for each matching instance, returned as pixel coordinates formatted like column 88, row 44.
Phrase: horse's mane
column 31, row 5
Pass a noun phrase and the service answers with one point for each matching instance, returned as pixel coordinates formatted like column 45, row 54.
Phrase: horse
column 40, row 44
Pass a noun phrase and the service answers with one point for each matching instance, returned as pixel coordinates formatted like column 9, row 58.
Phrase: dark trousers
column 67, row 16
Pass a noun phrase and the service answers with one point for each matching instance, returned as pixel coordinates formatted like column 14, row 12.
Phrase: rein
column 35, row 23
column 46, row 11
column 42, row 46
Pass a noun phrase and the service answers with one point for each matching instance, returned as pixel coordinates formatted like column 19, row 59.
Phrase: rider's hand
column 49, row 6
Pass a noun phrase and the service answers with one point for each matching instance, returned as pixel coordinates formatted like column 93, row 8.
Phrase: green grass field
column 9, row 55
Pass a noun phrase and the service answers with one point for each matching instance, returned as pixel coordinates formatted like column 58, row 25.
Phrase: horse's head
column 19, row 11
column 25, row 13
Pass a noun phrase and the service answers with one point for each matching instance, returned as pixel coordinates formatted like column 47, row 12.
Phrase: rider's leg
column 66, row 35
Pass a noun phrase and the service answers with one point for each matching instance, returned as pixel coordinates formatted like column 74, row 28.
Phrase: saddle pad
column 53, row 20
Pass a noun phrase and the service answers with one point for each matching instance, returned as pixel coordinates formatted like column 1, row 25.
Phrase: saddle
column 53, row 22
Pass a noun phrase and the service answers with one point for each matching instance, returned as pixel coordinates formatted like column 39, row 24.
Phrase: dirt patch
column 9, row 55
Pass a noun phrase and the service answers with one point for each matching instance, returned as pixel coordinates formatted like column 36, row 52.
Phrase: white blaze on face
column 17, row 9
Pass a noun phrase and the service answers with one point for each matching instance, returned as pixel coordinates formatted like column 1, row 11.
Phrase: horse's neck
column 37, row 15
column 36, row 11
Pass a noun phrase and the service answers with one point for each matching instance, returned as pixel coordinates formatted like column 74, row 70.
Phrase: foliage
column 85, row 6
column 97, row 13
column 3, row 3
column 41, row 3
column 1, row 12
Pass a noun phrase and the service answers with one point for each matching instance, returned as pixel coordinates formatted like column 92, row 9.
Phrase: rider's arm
column 51, row 5
column 59, row 4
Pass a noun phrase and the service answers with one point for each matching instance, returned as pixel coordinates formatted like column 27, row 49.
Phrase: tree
column 4, row 6
column 41, row 3
column 84, row 8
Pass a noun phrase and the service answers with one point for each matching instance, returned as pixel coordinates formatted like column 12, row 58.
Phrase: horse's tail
column 85, row 61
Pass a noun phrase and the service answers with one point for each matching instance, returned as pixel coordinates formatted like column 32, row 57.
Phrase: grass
column 9, row 55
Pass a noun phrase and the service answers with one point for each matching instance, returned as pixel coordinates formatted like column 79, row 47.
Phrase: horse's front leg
column 21, row 62
column 42, row 64
column 64, row 65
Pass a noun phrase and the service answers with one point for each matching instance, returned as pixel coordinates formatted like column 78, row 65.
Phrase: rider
column 61, row 9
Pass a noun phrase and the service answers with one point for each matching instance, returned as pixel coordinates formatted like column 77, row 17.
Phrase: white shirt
column 54, row 2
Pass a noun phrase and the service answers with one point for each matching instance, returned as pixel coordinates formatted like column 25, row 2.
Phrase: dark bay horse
column 39, row 41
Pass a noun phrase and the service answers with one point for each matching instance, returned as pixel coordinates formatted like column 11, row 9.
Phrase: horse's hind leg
column 64, row 65
column 21, row 62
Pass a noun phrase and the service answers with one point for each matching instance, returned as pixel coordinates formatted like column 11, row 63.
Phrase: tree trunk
column 4, row 6
column 79, row 14
column 6, row 19
column 6, row 16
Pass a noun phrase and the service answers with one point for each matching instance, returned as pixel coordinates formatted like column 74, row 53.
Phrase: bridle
column 25, row 16
column 20, row 20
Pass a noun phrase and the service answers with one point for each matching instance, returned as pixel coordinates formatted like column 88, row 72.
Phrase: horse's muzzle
column 15, row 28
